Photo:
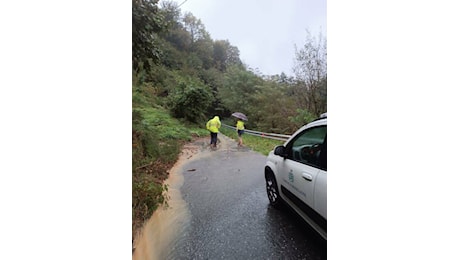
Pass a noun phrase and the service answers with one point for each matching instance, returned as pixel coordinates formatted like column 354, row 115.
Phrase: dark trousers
column 213, row 138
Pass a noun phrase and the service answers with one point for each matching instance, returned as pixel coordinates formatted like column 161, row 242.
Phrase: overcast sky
column 265, row 31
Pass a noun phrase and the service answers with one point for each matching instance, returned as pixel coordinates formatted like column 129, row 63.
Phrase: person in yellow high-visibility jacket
column 240, row 130
column 213, row 126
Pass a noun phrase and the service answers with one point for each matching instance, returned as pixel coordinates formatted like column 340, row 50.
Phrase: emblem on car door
column 291, row 176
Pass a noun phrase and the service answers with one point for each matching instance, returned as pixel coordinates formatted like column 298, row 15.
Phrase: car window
column 307, row 146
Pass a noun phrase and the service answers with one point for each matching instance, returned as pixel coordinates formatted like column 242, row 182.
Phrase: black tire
column 272, row 189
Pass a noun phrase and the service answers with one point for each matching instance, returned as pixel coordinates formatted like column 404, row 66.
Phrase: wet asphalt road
column 230, row 214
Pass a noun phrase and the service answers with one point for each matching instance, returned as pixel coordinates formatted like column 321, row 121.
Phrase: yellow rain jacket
column 239, row 125
column 213, row 125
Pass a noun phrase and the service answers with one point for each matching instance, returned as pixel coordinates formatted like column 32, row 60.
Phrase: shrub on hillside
column 302, row 117
column 191, row 101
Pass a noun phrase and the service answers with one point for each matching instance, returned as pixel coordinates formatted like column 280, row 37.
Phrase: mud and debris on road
column 218, row 209
column 159, row 230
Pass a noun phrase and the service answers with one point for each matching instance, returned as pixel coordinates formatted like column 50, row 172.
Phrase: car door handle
column 307, row 176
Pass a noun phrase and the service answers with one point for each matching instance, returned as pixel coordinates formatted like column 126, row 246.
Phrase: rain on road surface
column 226, row 214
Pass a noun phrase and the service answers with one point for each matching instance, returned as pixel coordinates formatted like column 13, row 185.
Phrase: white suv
column 295, row 173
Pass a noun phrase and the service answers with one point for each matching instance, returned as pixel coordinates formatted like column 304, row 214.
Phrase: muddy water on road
column 160, row 232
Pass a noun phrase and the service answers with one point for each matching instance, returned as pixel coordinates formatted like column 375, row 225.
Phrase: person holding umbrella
column 240, row 130
column 213, row 126
column 240, row 126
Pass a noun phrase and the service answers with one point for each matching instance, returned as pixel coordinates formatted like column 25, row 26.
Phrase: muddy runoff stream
column 161, row 231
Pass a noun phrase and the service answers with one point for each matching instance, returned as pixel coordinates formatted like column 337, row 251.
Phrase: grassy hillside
column 258, row 144
column 157, row 139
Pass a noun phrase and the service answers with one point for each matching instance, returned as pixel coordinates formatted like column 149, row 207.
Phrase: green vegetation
column 182, row 77
column 157, row 139
column 258, row 144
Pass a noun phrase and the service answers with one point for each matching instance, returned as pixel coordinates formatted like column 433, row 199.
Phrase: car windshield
column 314, row 136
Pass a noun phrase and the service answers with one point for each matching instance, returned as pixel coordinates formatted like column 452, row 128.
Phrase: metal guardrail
column 262, row 134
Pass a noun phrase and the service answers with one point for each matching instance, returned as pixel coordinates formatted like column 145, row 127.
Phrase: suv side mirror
column 281, row 151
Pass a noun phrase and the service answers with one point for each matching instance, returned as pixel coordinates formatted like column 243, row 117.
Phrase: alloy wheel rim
column 271, row 190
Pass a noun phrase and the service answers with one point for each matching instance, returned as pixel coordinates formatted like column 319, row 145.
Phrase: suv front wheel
column 272, row 189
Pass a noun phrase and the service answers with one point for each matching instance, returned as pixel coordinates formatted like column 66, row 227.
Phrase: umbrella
column 240, row 116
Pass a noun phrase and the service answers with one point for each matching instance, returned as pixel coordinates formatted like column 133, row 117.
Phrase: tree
column 237, row 88
column 171, row 13
column 310, row 69
column 189, row 36
column 214, row 79
column 271, row 109
column 195, row 27
column 204, row 50
column 146, row 23
column 190, row 100
column 225, row 55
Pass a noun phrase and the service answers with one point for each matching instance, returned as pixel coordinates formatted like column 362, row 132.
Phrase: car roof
column 319, row 121
column 322, row 118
